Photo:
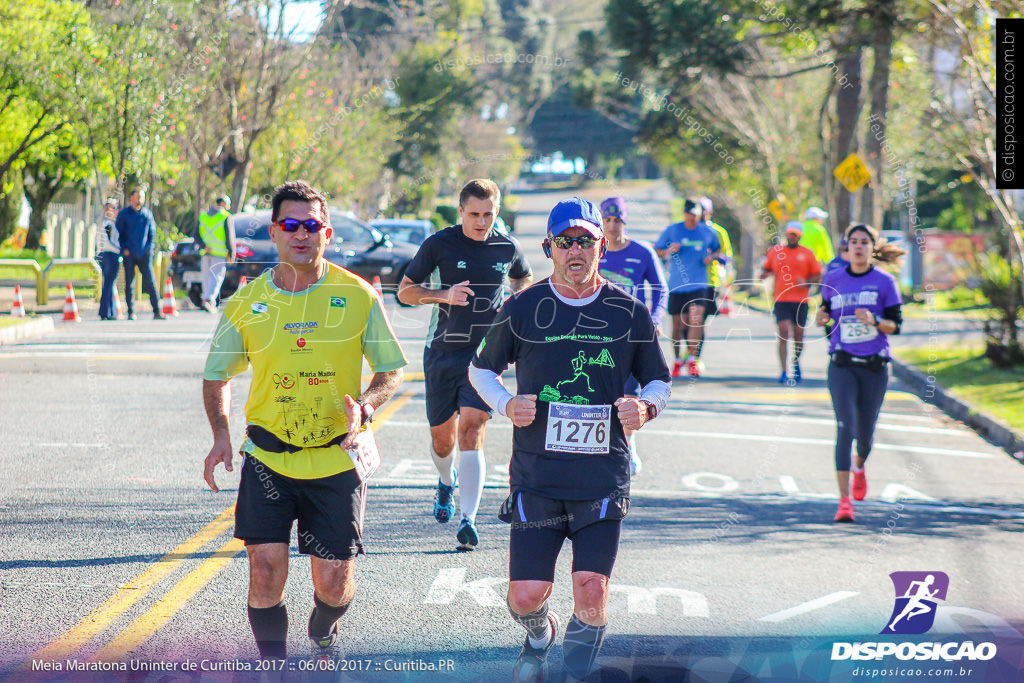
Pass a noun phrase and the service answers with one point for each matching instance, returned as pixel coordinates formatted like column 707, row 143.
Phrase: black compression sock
column 580, row 647
column 270, row 628
column 535, row 623
column 323, row 618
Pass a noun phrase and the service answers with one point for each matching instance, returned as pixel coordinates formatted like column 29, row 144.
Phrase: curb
column 28, row 330
column 988, row 427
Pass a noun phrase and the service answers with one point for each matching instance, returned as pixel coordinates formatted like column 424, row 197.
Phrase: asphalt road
column 730, row 567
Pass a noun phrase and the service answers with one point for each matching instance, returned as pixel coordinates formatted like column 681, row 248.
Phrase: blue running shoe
column 444, row 501
column 796, row 373
column 467, row 535
column 783, row 378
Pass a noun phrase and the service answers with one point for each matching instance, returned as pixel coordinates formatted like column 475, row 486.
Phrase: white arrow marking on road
column 894, row 492
column 450, row 582
column 809, row 606
column 645, row 601
column 413, row 469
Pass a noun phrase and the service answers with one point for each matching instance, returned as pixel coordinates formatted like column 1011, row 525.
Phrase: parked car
column 408, row 230
column 356, row 246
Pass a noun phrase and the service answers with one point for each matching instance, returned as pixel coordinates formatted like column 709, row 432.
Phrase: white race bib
column 364, row 454
column 578, row 429
column 853, row 331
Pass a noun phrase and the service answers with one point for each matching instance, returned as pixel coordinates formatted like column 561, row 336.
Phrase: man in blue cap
column 574, row 339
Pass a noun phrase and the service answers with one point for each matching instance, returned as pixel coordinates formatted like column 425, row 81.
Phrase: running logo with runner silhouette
column 917, row 596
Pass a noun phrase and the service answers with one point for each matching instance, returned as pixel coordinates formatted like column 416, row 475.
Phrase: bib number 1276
column 578, row 429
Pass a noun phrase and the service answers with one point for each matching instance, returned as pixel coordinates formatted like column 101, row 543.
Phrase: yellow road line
column 160, row 613
column 130, row 593
column 169, row 605
column 390, row 409
column 813, row 395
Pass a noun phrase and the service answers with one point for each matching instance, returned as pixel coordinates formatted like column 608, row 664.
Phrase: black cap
column 691, row 206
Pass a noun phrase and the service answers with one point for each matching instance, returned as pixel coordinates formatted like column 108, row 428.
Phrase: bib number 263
column 578, row 429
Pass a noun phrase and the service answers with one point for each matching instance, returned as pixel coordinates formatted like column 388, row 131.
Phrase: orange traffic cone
column 725, row 308
column 168, row 307
column 377, row 286
column 117, row 305
column 18, row 309
column 71, row 306
column 242, row 282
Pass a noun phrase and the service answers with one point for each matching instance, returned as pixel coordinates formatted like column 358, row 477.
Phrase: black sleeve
column 649, row 361
column 498, row 348
column 826, row 304
column 895, row 314
column 423, row 263
column 520, row 267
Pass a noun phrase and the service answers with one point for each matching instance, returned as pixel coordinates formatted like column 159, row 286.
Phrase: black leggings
column 857, row 395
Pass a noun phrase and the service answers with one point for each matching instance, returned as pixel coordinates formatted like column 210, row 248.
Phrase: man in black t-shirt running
column 469, row 262
column 575, row 340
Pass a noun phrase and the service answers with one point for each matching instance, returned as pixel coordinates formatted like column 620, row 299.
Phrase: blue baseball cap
column 575, row 212
column 614, row 206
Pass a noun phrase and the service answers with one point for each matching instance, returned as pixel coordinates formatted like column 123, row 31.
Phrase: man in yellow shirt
column 305, row 327
column 816, row 237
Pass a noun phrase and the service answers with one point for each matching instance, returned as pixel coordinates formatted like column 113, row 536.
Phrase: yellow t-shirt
column 306, row 350
column 723, row 237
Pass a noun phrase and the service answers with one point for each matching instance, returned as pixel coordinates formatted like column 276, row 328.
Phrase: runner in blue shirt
column 630, row 263
column 690, row 247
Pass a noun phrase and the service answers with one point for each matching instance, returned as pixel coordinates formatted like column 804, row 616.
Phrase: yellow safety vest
column 213, row 231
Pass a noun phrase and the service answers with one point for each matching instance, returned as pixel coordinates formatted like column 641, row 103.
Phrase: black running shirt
column 449, row 257
column 577, row 360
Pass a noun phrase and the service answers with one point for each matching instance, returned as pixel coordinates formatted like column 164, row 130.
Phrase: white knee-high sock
column 445, row 466
column 472, row 470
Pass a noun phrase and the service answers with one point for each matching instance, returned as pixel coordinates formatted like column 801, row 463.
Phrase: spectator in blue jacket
column 137, row 231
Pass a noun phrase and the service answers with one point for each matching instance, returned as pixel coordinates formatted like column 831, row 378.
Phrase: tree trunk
column 39, row 193
column 848, row 105
column 873, row 199
column 10, row 207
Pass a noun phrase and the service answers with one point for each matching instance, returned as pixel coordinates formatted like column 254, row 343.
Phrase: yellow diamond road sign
column 852, row 173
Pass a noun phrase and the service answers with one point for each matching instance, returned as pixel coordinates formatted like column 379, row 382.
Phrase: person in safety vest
column 215, row 237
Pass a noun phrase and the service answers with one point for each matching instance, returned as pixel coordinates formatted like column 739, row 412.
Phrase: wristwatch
column 652, row 411
column 366, row 411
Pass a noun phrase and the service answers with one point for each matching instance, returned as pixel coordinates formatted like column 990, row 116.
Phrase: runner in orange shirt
column 795, row 269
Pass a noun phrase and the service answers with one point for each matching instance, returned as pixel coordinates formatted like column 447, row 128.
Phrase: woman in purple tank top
column 861, row 307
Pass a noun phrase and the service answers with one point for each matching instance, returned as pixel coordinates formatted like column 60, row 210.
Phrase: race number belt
column 578, row 429
column 853, row 331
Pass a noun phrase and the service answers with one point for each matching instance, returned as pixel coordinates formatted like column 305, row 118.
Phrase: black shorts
column 540, row 526
column 329, row 510
column 446, row 375
column 678, row 302
column 793, row 311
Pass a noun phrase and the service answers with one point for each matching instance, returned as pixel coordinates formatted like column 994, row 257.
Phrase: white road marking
column 727, row 483
column 894, row 492
column 789, row 485
column 808, row 606
column 645, row 600
column 450, row 582
column 794, row 419
column 926, row 450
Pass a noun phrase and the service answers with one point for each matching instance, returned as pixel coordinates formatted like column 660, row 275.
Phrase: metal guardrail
column 61, row 264
column 19, row 265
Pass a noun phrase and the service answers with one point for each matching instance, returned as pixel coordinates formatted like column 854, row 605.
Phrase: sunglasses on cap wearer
column 566, row 242
column 292, row 224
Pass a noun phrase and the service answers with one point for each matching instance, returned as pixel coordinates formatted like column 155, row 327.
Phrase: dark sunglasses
column 566, row 242
column 292, row 224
